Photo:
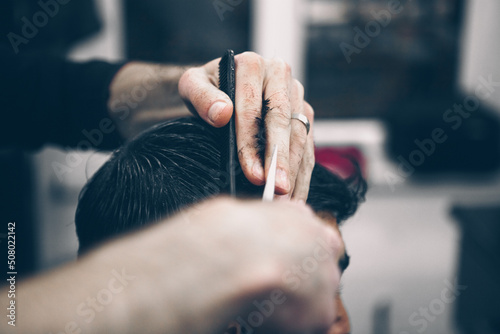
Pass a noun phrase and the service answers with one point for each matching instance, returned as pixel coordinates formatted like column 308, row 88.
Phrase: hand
column 257, row 79
column 254, row 249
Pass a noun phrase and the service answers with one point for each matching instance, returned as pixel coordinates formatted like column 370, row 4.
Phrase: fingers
column 307, row 162
column 198, row 87
column 250, row 71
column 298, row 135
column 312, row 299
column 295, row 252
column 278, row 89
column 258, row 79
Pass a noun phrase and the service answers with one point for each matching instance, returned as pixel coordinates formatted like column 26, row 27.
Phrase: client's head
column 174, row 165
column 177, row 164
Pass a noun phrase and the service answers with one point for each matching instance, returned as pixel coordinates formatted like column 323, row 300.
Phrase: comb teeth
column 226, row 74
column 229, row 157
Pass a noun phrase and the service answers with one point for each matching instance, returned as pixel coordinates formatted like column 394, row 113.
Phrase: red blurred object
column 339, row 160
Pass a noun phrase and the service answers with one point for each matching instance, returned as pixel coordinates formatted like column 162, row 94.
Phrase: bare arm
column 191, row 275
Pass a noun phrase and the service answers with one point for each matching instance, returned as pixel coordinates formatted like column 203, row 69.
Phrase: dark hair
column 173, row 165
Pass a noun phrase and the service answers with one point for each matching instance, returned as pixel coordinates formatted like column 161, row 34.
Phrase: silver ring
column 304, row 121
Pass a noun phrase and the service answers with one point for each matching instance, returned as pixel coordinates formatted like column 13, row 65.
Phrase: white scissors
column 271, row 178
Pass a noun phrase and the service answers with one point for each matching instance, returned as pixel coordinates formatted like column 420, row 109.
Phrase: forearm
column 143, row 281
column 77, row 297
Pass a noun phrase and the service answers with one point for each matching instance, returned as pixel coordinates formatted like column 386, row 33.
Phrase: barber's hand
column 258, row 79
column 231, row 255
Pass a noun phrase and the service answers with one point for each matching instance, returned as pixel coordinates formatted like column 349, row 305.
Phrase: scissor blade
column 271, row 178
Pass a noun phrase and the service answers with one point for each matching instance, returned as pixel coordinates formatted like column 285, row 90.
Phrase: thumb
column 204, row 98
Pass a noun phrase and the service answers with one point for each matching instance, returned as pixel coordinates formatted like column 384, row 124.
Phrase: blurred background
column 411, row 89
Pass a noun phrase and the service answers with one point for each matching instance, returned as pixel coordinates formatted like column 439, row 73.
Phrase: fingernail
column 215, row 110
column 258, row 171
column 282, row 179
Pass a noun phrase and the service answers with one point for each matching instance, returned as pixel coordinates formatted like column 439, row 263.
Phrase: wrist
column 142, row 94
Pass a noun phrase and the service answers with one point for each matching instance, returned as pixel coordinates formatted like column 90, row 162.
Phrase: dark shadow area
column 478, row 306
column 184, row 32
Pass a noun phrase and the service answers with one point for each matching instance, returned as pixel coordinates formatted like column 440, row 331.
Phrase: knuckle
column 300, row 87
column 279, row 116
column 281, row 66
column 248, row 58
column 244, row 151
column 280, row 98
column 185, row 82
column 250, row 54
column 249, row 116
column 309, row 111
column 188, row 75
column 288, row 69
column 251, row 94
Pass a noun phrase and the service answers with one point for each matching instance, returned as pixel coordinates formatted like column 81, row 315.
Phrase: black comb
column 229, row 156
